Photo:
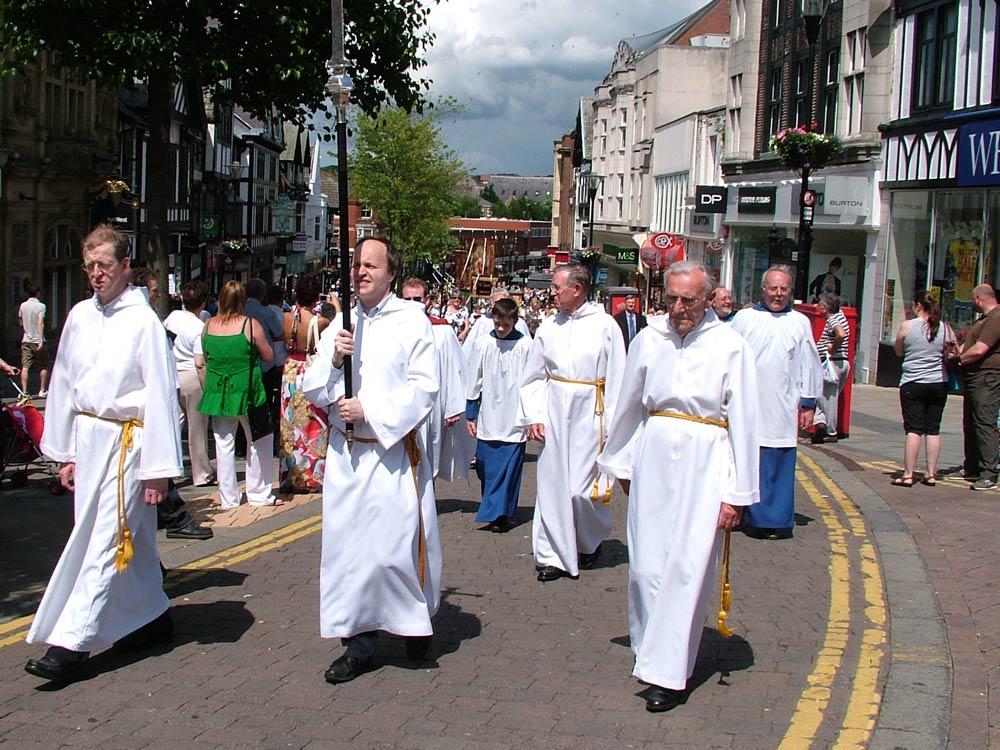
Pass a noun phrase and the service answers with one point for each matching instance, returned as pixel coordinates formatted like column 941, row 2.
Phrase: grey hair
column 686, row 268
column 831, row 301
column 575, row 274
column 787, row 270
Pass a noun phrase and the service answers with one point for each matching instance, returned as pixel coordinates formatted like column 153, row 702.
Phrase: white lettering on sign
column 985, row 156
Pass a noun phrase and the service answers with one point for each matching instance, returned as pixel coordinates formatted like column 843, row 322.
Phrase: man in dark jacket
column 630, row 320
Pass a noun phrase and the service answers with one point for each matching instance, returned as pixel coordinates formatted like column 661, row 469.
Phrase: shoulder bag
column 312, row 339
column 259, row 417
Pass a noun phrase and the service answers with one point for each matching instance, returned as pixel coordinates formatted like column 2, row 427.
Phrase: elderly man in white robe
column 684, row 443
column 112, row 420
column 449, row 446
column 381, row 557
column 788, row 383
column 568, row 395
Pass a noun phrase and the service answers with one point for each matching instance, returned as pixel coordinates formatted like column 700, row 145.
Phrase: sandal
column 930, row 480
column 902, row 482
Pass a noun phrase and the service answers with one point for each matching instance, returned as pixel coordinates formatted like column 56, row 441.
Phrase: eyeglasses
column 414, row 299
column 673, row 299
column 97, row 265
column 778, row 289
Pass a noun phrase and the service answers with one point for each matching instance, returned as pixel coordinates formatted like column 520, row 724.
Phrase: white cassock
column 114, row 362
column 450, row 448
column 681, row 471
column 484, row 327
column 789, row 368
column 373, row 508
column 571, row 516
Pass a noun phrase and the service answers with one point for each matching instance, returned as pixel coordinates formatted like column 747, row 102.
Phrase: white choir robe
column 114, row 363
column 586, row 345
column 369, row 574
column 680, row 472
column 484, row 327
column 789, row 367
column 494, row 377
column 451, row 448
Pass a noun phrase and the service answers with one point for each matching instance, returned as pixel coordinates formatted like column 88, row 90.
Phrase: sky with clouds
column 519, row 68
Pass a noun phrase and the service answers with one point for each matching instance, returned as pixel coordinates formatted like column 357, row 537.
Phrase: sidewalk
column 868, row 629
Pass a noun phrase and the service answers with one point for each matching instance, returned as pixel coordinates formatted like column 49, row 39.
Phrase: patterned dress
column 304, row 427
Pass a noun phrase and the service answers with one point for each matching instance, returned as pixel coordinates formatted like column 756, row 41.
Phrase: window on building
column 776, row 12
column 774, row 103
column 802, row 114
column 366, row 214
column 854, row 78
column 934, row 58
column 735, row 112
column 829, row 91
column 739, row 15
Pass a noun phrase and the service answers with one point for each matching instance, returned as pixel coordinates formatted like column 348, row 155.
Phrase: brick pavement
column 516, row 662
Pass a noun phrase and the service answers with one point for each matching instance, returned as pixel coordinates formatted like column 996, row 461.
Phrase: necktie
column 631, row 327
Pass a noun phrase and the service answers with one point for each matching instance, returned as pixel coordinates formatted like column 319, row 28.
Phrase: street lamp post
column 338, row 87
column 812, row 17
column 593, row 187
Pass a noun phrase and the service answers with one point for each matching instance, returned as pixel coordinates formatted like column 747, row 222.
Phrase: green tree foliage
column 272, row 53
column 489, row 193
column 466, row 205
column 523, row 208
column 402, row 170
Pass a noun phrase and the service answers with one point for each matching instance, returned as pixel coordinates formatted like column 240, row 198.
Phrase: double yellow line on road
column 15, row 631
column 863, row 703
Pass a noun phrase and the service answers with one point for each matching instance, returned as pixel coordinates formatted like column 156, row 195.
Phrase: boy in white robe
column 685, row 437
column 496, row 363
column 112, row 420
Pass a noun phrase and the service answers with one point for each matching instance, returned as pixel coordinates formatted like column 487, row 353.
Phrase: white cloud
column 519, row 69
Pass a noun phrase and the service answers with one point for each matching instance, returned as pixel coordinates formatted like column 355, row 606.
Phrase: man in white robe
column 449, row 446
column 381, row 558
column 684, row 438
column 568, row 396
column 788, row 383
column 112, row 420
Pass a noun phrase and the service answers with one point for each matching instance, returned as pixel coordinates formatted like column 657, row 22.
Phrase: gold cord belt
column 125, row 549
column 691, row 418
column 595, row 492
column 413, row 454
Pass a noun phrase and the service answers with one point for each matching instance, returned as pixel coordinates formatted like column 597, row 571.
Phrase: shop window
column 908, row 257
column 934, row 58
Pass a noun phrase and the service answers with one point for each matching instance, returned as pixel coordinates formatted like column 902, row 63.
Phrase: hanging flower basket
column 590, row 256
column 235, row 248
column 804, row 147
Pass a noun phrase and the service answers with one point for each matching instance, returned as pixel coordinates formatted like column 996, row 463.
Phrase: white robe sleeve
column 322, row 383
column 59, row 434
column 452, row 374
column 744, row 430
column 412, row 400
column 618, row 457
column 810, row 374
column 474, row 374
column 534, row 384
column 161, row 456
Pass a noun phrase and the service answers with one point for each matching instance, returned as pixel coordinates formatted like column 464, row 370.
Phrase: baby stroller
column 21, row 427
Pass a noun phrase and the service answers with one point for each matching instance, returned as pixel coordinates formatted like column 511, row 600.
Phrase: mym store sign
column 979, row 154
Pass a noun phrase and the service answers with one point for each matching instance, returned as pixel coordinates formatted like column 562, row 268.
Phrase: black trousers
column 170, row 514
column 272, row 386
column 979, row 424
column 362, row 645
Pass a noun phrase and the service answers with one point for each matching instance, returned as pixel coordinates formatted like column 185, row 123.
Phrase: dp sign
column 710, row 199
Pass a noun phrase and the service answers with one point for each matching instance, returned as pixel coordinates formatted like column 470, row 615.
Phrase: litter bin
column 811, row 311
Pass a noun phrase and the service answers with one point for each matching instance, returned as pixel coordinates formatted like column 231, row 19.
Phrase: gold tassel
column 725, row 592
column 125, row 551
column 413, row 454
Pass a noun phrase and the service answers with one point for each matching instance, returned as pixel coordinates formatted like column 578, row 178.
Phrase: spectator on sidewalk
column 496, row 364
column 381, row 557
column 568, row 397
column 721, row 300
column 273, row 327
column 630, row 319
column 923, row 385
column 34, row 352
column 833, row 345
column 684, row 441
column 788, row 382
column 113, row 421
column 980, row 367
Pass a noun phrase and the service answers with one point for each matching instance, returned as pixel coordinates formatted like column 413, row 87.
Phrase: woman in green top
column 224, row 366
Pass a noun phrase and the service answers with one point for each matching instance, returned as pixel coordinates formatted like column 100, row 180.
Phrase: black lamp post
column 593, row 187
column 812, row 17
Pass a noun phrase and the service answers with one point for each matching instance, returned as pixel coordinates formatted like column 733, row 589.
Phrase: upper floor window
column 802, row 115
column 829, row 91
column 774, row 103
column 934, row 59
column 854, row 78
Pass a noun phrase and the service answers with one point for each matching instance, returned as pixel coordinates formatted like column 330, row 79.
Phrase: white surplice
column 586, row 345
column 115, row 362
column 681, row 471
column 789, row 368
column 484, row 327
column 450, row 448
column 496, row 368
column 372, row 510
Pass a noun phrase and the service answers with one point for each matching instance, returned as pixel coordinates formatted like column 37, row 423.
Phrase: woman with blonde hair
column 229, row 364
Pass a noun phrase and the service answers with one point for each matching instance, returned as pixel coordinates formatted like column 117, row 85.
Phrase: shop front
column 943, row 196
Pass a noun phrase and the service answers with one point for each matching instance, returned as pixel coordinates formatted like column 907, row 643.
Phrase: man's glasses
column 673, row 299
column 414, row 299
column 96, row 265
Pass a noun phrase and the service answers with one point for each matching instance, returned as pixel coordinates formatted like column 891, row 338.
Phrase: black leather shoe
column 499, row 526
column 551, row 573
column 346, row 668
column 191, row 530
column 662, row 699
column 588, row 561
column 158, row 632
column 417, row 646
column 58, row 664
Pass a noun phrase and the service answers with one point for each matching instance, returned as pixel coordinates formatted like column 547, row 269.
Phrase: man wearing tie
column 630, row 320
